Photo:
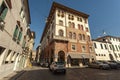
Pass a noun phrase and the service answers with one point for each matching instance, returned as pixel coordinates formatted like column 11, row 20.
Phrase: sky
column 104, row 15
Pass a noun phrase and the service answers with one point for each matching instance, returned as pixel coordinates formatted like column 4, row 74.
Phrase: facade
column 66, row 37
column 38, row 55
column 107, row 48
column 14, row 23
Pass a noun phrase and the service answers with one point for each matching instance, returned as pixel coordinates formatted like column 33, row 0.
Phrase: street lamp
column 2, row 24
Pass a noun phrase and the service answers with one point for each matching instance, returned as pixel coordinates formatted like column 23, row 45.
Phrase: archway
column 111, row 57
column 61, row 56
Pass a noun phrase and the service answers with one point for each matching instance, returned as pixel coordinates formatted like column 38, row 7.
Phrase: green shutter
column 20, row 35
column 16, row 32
column 4, row 13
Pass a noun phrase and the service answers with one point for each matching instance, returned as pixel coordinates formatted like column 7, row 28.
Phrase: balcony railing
column 60, row 38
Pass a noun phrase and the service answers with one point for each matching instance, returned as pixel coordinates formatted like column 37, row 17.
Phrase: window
column 74, row 35
column 101, row 46
column 105, row 46
column 85, row 20
column 91, row 49
column 61, row 33
column 79, row 26
column 3, row 11
column 87, row 30
column 113, row 48
column 69, row 24
column 15, row 33
column 88, row 38
column 83, row 48
column 80, row 36
column 73, row 25
column 9, row 3
column 73, row 47
column 79, row 19
column 71, row 17
column 83, row 37
column 60, row 22
column 110, row 47
column 20, row 35
column 116, row 47
column 95, row 45
column 1, row 50
column 70, row 35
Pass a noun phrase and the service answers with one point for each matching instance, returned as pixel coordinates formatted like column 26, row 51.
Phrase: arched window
column 74, row 35
column 61, row 32
column 73, row 25
column 70, row 35
column 69, row 24
column 80, row 37
column 79, row 26
column 83, row 37
column 88, row 38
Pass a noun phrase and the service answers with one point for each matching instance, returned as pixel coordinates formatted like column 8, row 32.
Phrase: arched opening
column 61, row 56
column 111, row 57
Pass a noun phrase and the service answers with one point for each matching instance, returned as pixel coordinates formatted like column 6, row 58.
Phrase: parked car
column 111, row 64
column 57, row 67
column 116, row 62
column 99, row 65
column 44, row 64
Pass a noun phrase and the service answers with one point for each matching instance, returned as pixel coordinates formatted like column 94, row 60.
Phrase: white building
column 14, row 22
column 107, row 48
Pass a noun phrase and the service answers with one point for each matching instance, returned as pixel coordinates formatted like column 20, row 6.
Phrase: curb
column 14, row 75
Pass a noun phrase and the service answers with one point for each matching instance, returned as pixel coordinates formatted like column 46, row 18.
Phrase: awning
column 79, row 56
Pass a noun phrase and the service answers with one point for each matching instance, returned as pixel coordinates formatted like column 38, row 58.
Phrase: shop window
column 3, row 11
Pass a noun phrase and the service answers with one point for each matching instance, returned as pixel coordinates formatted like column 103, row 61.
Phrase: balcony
column 60, row 38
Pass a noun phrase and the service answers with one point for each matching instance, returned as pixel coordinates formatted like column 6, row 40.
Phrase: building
column 107, row 48
column 67, row 37
column 38, row 54
column 14, row 23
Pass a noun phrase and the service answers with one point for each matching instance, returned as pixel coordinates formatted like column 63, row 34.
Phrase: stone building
column 67, row 37
column 14, row 23
column 107, row 48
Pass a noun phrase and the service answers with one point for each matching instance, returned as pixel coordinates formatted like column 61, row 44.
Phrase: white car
column 57, row 67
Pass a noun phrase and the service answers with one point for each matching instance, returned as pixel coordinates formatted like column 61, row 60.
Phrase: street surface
column 38, row 73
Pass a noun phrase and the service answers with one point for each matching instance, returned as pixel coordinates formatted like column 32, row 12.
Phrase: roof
column 65, row 8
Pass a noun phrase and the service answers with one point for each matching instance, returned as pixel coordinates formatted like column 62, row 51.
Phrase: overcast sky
column 104, row 15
